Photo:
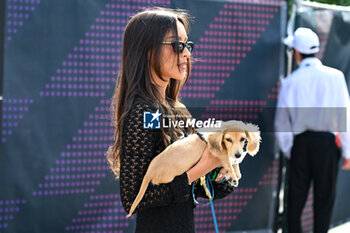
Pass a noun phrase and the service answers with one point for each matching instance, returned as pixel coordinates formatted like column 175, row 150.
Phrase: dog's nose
column 237, row 155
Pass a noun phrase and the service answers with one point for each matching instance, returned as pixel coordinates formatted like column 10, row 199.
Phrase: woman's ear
column 215, row 141
column 253, row 136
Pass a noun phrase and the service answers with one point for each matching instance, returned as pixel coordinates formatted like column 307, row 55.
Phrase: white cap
column 304, row 40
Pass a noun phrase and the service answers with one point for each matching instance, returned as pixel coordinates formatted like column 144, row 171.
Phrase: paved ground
column 345, row 228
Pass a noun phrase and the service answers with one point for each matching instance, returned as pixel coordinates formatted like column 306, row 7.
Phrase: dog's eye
column 242, row 139
column 228, row 139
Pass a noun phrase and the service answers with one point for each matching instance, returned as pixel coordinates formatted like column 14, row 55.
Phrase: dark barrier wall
column 333, row 29
column 60, row 63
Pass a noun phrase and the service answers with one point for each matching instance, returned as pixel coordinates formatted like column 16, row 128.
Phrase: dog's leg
column 235, row 179
column 237, row 171
column 231, row 173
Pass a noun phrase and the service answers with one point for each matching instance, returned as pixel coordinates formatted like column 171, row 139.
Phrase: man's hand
column 346, row 164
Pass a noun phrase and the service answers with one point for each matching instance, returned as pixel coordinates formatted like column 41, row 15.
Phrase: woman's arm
column 204, row 165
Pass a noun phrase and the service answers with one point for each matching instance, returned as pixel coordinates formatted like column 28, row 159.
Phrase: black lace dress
column 165, row 208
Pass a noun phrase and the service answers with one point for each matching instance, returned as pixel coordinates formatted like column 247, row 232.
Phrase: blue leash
column 211, row 190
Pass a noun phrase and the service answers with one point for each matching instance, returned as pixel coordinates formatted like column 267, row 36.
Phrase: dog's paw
column 233, row 182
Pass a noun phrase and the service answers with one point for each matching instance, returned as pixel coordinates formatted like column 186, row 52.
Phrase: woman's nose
column 186, row 53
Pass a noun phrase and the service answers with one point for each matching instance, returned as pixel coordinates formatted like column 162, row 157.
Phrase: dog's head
column 235, row 139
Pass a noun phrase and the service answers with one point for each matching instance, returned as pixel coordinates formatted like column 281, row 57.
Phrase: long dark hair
column 142, row 41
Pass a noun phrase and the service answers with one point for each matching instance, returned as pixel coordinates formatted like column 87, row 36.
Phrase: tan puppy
column 227, row 144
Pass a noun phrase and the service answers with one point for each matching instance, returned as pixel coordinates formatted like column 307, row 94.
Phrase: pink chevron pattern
column 86, row 72
column 103, row 213
column 13, row 110
column 8, row 208
column 245, row 110
column 251, row 18
column 82, row 165
column 227, row 41
column 18, row 11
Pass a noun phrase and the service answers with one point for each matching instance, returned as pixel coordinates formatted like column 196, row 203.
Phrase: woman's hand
column 207, row 163
column 221, row 175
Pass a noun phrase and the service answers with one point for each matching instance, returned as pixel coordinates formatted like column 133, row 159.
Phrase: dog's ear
column 253, row 136
column 215, row 141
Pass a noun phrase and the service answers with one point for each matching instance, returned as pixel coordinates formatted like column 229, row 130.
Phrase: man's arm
column 344, row 101
column 282, row 123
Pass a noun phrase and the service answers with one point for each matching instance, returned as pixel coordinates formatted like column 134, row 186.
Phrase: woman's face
column 169, row 65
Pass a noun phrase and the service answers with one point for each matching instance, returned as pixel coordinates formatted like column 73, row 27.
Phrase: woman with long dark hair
column 156, row 63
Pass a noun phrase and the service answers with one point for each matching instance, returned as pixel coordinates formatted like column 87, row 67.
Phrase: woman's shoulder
column 138, row 108
column 137, row 119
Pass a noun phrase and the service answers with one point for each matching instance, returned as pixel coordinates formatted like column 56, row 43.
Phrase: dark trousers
column 314, row 157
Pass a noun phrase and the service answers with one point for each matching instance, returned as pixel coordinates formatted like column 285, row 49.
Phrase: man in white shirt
column 313, row 106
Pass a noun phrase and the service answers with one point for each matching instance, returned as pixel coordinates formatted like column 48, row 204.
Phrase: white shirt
column 314, row 97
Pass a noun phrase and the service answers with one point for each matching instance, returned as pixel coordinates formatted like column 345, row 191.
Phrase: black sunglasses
column 179, row 46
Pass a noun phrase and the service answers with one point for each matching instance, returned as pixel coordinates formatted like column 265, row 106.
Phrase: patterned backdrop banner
column 60, row 61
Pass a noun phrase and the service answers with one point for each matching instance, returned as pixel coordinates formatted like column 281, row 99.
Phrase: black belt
column 318, row 133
